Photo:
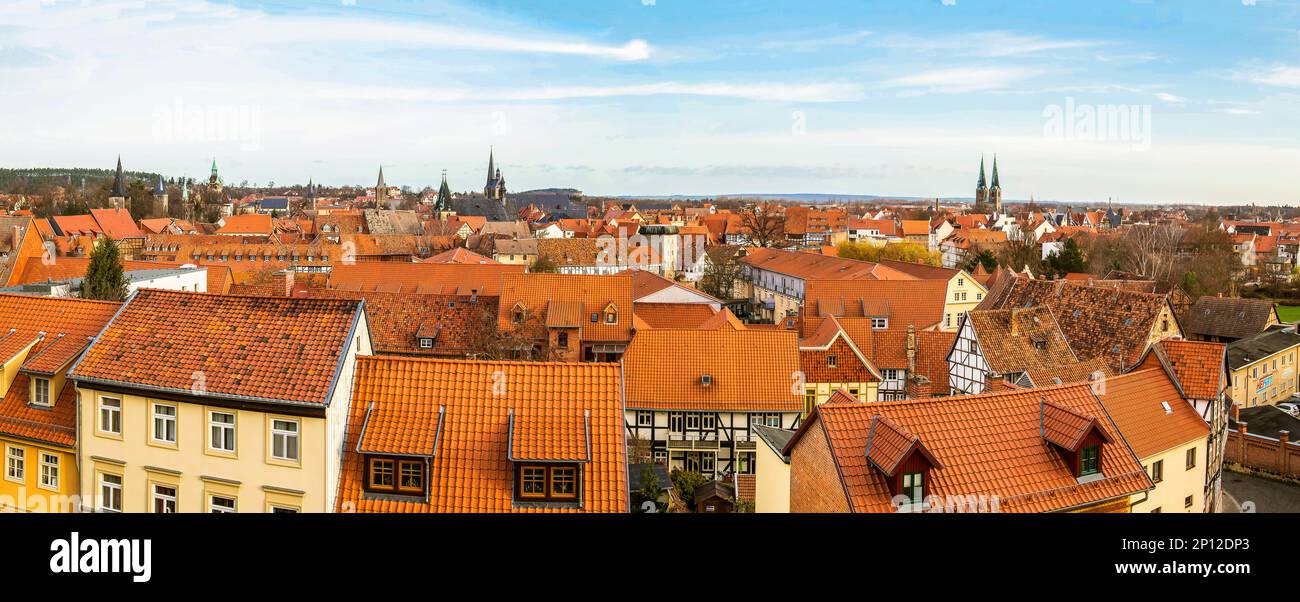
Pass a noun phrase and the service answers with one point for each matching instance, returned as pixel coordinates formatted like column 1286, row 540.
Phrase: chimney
column 1236, row 413
column 1015, row 324
column 911, row 350
column 282, row 281
column 1284, row 436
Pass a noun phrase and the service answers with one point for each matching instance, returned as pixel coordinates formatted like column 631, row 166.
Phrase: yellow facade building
column 248, row 416
column 1262, row 368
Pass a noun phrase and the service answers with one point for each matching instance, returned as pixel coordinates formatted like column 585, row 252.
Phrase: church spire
column 995, row 172
column 443, row 200
column 982, row 183
column 492, row 165
column 381, row 189
column 119, row 186
column 160, row 188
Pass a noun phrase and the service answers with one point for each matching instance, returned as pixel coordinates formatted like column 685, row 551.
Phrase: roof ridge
column 375, row 358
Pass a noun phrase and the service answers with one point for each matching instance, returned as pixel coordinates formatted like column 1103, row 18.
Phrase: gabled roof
column 1066, row 428
column 116, row 223
column 1029, row 340
column 537, row 291
column 809, row 266
column 988, row 444
column 246, row 223
column 460, row 255
column 423, row 278
column 889, row 444
column 266, row 349
column 916, row 303
column 1138, row 401
column 475, row 415
column 1228, row 317
column 1198, row 367
column 749, row 370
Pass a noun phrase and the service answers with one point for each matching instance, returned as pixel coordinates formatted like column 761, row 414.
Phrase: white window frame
column 117, row 413
column 173, row 498
column 106, row 496
column 11, row 459
column 880, row 323
column 155, row 419
column 648, row 416
column 214, row 508
column 228, row 429
column 37, row 381
column 295, row 434
column 49, row 471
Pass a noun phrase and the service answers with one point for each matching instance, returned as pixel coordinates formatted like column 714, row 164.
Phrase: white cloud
column 986, row 44
column 1170, row 98
column 1286, row 76
column 962, row 79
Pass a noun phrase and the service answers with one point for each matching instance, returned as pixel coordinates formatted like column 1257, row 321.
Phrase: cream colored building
column 149, row 446
column 1179, row 475
column 1262, row 368
column 772, row 471
column 964, row 293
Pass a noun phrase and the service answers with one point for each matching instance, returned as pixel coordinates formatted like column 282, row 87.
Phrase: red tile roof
column 916, row 303
column 424, row 278
column 264, row 348
column 461, row 412
column 246, row 223
column 1197, row 366
column 116, row 223
column 537, row 292
column 750, row 370
column 1137, row 402
column 809, row 266
column 988, row 444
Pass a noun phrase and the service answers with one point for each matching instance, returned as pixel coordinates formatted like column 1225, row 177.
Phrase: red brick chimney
column 911, row 350
column 282, row 283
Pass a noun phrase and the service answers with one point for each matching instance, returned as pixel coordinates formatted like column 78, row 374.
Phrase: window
column 611, row 315
column 693, row 421
column 1187, row 502
column 15, row 464
column 1191, row 458
column 547, row 483
column 914, row 488
column 49, row 471
column 221, row 428
column 1158, row 471
column 645, row 418
column 381, row 474
column 708, row 422
column 110, row 492
column 532, row 482
column 284, row 440
column 410, row 476
column 164, row 499
column 1088, row 460
column 564, row 482
column 164, row 423
column 562, row 340
column 676, row 422
column 831, row 361
column 879, row 323
column 426, row 343
column 517, row 314
column 41, row 391
column 283, row 510
column 745, row 463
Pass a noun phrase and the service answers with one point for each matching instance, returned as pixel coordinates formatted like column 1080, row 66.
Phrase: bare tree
column 764, row 225
column 523, row 341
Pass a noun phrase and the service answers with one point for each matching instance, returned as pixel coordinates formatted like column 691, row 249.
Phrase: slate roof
column 1029, row 340
column 1250, row 350
column 1227, row 317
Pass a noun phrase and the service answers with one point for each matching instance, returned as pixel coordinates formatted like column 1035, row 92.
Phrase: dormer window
column 1090, row 460
column 879, row 323
column 914, row 488
column 426, row 343
column 41, row 392
column 518, row 313
column 611, row 314
column 395, row 475
column 831, row 361
column 547, row 482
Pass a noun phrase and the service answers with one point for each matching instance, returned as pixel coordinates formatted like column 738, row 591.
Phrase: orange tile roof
column 68, row 325
column 263, row 348
column 451, row 410
column 1197, row 366
column 675, row 315
column 988, row 444
column 916, row 227
column 810, row 266
column 76, row 224
column 916, row 303
column 536, row 292
column 1029, row 340
column 246, row 223
column 460, row 255
column 645, row 283
column 751, row 370
column 116, row 223
column 424, row 278
column 1135, row 401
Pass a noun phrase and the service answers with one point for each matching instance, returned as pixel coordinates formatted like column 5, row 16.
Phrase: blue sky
column 671, row 96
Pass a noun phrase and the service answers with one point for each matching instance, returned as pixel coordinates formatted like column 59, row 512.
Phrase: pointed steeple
column 443, row 200
column 119, row 186
column 982, row 183
column 381, row 189
column 311, row 188
column 380, row 184
column 160, row 188
column 185, row 189
column 492, row 165
column 995, row 172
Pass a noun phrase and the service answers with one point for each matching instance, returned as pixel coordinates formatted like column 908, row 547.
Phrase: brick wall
column 1272, row 452
column 849, row 369
column 814, row 482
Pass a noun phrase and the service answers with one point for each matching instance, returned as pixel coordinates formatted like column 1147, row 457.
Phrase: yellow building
column 209, row 403
column 772, row 471
column 38, row 419
column 1262, row 368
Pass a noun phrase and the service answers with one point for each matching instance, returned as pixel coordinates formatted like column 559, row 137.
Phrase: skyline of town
column 662, row 98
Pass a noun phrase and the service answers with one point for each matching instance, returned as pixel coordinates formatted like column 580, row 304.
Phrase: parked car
column 1290, row 408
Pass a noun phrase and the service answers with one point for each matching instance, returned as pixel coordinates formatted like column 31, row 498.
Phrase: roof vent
column 1165, row 405
column 706, row 379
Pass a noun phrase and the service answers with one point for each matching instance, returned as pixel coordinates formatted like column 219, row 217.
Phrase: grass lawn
column 1288, row 313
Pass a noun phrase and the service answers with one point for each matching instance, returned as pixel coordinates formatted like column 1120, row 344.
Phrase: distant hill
column 63, row 176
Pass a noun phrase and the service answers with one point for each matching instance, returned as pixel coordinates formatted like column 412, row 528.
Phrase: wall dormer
column 903, row 462
column 548, row 456
column 1078, row 438
column 396, row 460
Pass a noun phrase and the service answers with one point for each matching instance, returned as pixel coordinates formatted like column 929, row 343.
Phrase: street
column 1264, row 495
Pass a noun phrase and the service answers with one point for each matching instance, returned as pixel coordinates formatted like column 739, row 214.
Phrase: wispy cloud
column 987, row 44
column 779, row 92
column 962, row 79
column 1285, row 76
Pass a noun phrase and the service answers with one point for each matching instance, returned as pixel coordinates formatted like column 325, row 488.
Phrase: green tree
column 686, row 482
column 1068, row 260
column 543, row 265
column 648, row 490
column 105, row 279
column 985, row 258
